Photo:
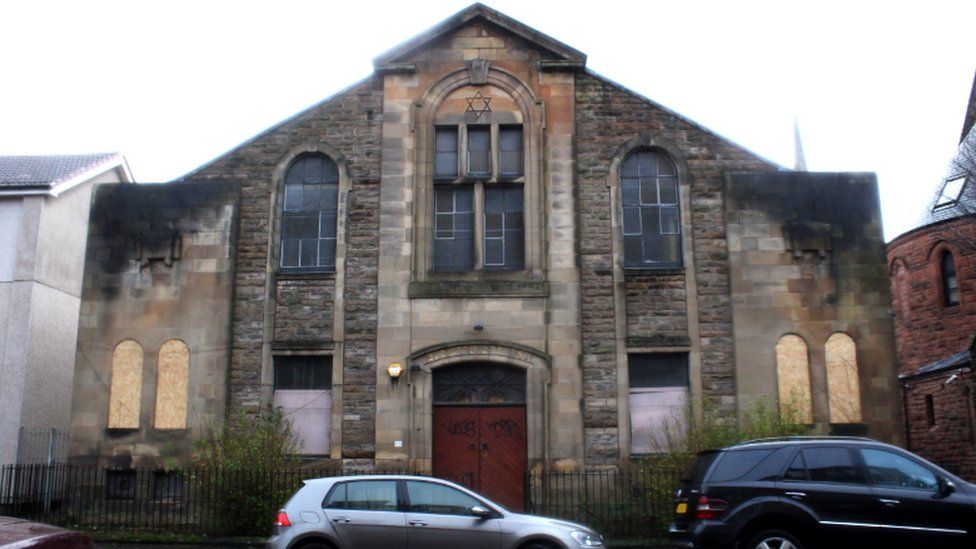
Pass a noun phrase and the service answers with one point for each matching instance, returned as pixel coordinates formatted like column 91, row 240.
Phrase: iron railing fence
column 242, row 502
column 39, row 445
column 620, row 504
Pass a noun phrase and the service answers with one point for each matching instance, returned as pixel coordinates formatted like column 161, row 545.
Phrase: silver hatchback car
column 401, row 511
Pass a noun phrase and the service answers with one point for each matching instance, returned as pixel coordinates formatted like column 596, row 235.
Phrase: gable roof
column 54, row 174
column 474, row 12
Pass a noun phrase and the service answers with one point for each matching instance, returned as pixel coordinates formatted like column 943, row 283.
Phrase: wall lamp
column 394, row 370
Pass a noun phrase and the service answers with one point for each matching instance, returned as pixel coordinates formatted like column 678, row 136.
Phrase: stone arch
column 172, row 385
column 843, row 379
column 425, row 362
column 532, row 113
column 125, row 391
column 277, row 197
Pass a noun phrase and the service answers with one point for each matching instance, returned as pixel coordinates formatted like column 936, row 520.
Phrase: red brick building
column 933, row 283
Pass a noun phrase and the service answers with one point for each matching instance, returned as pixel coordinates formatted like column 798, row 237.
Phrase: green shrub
column 243, row 469
column 683, row 438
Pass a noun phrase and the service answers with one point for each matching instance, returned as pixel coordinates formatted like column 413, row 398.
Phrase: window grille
column 454, row 228
column 476, row 383
column 658, row 370
column 479, row 151
column 504, row 229
column 510, row 155
column 446, row 153
column 302, row 372
column 950, row 284
column 651, row 216
column 310, row 214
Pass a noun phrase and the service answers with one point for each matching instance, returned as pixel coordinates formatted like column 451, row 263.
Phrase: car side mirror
column 480, row 512
column 946, row 486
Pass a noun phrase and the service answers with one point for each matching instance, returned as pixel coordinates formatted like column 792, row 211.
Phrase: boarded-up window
column 303, row 393
column 171, row 385
column 126, row 387
column 843, row 381
column 793, row 375
column 658, row 400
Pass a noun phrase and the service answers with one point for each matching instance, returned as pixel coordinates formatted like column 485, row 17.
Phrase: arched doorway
column 479, row 429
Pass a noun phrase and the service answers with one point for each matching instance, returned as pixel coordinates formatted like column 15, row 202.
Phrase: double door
column 484, row 449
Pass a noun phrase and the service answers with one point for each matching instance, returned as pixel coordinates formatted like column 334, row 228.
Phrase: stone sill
column 305, row 275
column 664, row 271
column 481, row 288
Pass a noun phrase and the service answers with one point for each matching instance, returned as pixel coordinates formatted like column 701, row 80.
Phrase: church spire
column 799, row 162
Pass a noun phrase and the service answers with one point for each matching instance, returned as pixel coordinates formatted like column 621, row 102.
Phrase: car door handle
column 889, row 502
column 418, row 523
column 342, row 520
column 797, row 494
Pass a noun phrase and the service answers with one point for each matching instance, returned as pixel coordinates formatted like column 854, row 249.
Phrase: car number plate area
column 682, row 508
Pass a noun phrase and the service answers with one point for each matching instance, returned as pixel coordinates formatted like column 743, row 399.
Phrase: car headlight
column 586, row 539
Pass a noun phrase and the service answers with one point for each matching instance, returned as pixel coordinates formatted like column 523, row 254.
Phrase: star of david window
column 479, row 383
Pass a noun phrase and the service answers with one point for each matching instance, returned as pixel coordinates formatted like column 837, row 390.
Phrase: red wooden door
column 483, row 448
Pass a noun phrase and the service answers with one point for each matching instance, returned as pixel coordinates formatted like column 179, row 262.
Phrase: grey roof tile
column 963, row 164
column 46, row 171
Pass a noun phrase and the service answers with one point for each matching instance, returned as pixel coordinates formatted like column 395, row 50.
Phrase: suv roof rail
column 802, row 438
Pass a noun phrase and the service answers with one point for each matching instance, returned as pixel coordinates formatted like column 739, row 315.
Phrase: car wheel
column 774, row 539
column 538, row 545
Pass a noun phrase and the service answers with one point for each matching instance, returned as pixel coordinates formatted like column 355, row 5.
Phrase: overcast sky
column 875, row 86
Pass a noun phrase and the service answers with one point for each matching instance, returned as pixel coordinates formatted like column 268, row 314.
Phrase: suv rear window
column 700, row 467
column 750, row 465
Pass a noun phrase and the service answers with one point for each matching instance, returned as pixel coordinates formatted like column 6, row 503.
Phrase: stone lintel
column 396, row 68
column 478, row 288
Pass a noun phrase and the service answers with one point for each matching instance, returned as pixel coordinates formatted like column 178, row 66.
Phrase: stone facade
column 159, row 268
column 567, row 320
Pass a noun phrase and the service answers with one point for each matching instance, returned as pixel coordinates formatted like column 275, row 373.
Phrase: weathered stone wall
column 607, row 117
column 159, row 266
column 807, row 258
column 347, row 125
column 657, row 310
column 950, row 440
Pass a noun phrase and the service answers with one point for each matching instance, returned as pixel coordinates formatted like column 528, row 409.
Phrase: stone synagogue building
column 480, row 260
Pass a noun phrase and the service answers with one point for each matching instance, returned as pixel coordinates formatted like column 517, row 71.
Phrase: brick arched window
column 309, row 214
column 651, row 214
column 950, row 284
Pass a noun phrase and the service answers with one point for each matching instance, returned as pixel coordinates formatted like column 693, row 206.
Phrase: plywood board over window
column 126, row 386
column 171, row 385
column 793, row 376
column 843, row 380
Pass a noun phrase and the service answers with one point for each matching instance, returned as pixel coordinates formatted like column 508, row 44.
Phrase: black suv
column 808, row 492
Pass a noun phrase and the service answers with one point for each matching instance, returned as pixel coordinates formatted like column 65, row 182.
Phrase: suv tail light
column 709, row 508
column 281, row 519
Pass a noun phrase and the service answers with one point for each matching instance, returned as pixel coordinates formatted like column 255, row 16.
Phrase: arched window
column 309, row 214
column 125, row 392
column 651, row 217
column 172, row 382
column 793, row 376
column 843, row 380
column 950, row 285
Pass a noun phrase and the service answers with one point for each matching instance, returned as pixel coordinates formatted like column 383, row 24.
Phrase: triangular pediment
column 556, row 51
